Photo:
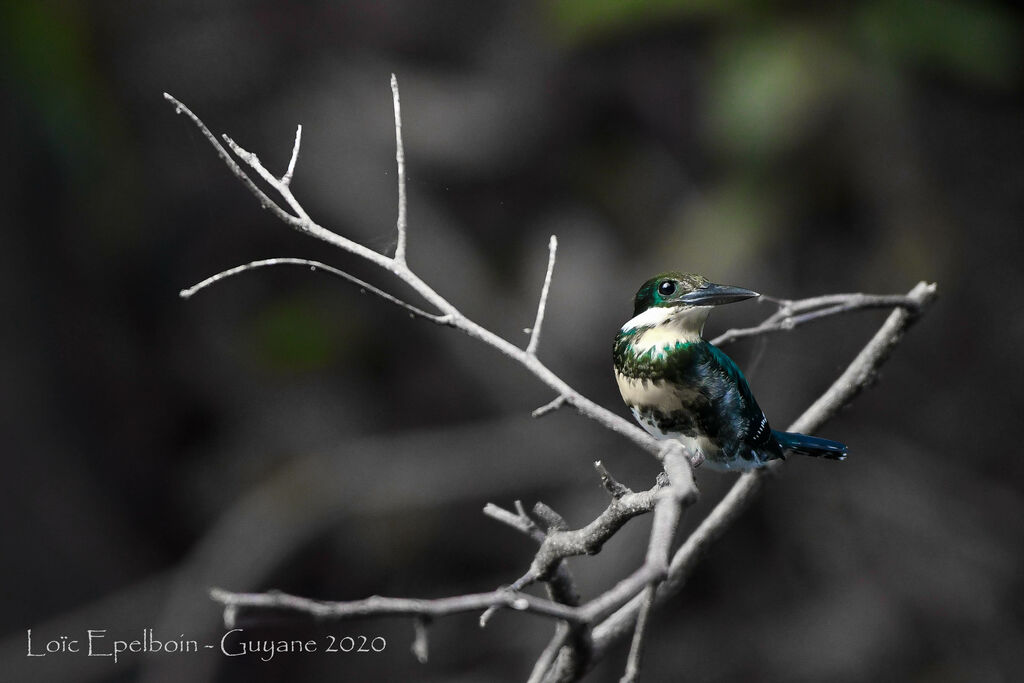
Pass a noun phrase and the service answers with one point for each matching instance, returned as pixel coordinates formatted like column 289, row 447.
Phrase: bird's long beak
column 715, row 295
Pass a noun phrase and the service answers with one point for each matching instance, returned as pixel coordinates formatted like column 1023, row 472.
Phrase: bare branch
column 542, row 303
column 792, row 314
column 265, row 201
column 381, row 606
column 452, row 316
column 549, row 407
column 400, row 158
column 286, row 179
column 554, row 520
column 521, row 522
column 666, row 519
column 609, row 482
column 561, row 586
column 636, row 647
column 550, row 653
column 420, row 646
column 560, row 543
column 314, row 265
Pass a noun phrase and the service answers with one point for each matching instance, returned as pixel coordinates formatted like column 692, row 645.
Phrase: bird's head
column 684, row 291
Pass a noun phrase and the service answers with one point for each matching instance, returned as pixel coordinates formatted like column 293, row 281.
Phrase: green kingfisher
column 679, row 386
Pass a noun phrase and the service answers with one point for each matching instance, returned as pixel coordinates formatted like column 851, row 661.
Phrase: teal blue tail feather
column 811, row 445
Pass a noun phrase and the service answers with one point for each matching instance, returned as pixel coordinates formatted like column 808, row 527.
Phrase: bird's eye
column 667, row 288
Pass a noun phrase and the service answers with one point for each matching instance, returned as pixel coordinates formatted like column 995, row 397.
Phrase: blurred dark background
column 282, row 431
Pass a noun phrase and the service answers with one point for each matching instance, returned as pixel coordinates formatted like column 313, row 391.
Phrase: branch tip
column 400, row 160
column 554, row 520
column 550, row 407
column 314, row 266
column 286, row 179
column 610, row 484
column 531, row 348
column 420, row 647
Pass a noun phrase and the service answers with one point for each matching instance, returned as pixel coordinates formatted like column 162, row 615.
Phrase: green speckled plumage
column 710, row 401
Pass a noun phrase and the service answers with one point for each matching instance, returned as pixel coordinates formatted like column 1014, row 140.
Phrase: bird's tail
column 811, row 445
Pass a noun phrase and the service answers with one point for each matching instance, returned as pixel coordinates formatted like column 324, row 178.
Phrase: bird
column 680, row 386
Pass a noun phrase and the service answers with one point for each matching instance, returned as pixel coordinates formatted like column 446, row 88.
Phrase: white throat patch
column 667, row 327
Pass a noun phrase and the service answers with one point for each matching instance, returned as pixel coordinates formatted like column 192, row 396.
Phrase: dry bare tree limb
column 670, row 502
column 448, row 313
column 549, row 407
column 793, row 313
column 671, row 499
column 420, row 646
column 636, row 647
column 559, row 544
column 610, row 484
column 677, row 492
column 560, row 585
column 667, row 512
column 313, row 265
column 520, row 521
column 286, row 179
column 235, row 603
column 547, row 657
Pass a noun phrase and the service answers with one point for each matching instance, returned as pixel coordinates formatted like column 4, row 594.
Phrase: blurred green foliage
column 975, row 41
column 294, row 334
column 584, row 20
column 803, row 105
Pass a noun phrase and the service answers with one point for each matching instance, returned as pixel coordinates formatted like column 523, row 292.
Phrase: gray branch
column 449, row 314
column 400, row 160
column 235, row 603
column 531, row 348
column 791, row 314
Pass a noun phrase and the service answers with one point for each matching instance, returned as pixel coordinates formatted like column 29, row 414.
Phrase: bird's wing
column 732, row 415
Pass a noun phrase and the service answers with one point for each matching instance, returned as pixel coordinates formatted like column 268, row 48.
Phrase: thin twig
column 286, row 179
column 555, row 521
column 561, row 585
column 301, row 224
column 550, row 653
column 663, row 528
column 265, row 201
column 588, row 540
column 542, row 303
column 520, row 521
column 550, row 407
column 788, row 315
column 609, row 482
column 400, row 159
column 420, row 645
column 679, row 492
column 282, row 187
column 316, row 266
column 381, row 606
column 636, row 646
